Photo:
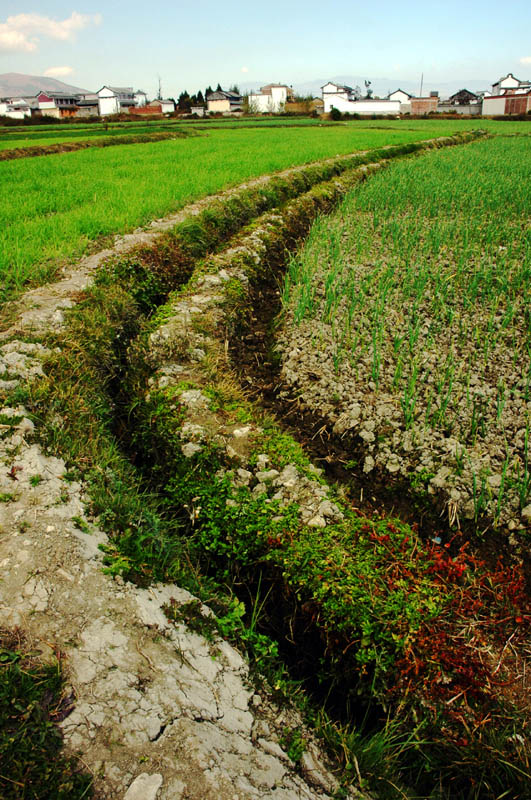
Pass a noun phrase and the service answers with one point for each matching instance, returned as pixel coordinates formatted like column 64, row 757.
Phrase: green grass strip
column 70, row 147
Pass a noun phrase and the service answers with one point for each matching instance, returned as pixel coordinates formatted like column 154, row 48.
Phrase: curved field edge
column 417, row 292
column 269, row 538
column 109, row 191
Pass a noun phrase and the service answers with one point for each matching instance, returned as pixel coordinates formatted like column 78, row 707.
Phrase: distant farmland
column 60, row 205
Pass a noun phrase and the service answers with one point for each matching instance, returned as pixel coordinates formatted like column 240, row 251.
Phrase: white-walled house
column 347, row 100
column 493, row 106
column 114, row 99
column 163, row 106
column 167, row 106
column 509, row 84
column 363, row 107
column 271, row 99
column 331, row 89
column 400, row 95
column 14, row 108
column 512, row 102
column 221, row 102
column 140, row 98
column 509, row 95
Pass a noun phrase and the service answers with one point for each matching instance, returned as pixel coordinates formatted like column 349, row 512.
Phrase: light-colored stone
column 144, row 787
column 267, row 475
column 191, row 449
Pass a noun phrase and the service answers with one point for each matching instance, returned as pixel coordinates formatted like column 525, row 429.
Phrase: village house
column 317, row 105
column 509, row 103
column 346, row 100
column 463, row 102
column 331, row 91
column 222, row 102
column 88, row 106
column 14, row 108
column 462, row 98
column 404, row 98
column 140, row 98
column 508, row 85
column 400, row 95
column 271, row 99
column 115, row 99
column 156, row 108
column 509, row 96
column 166, row 106
column 58, row 104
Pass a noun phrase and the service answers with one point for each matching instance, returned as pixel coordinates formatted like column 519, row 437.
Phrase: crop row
column 415, row 300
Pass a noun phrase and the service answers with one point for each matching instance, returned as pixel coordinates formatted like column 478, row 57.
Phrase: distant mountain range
column 382, row 86
column 15, row 83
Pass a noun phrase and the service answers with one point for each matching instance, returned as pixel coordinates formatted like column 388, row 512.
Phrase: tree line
column 186, row 101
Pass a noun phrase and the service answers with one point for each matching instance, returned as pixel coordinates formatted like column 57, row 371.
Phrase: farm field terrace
column 28, row 136
column 407, row 326
column 37, row 137
column 54, row 208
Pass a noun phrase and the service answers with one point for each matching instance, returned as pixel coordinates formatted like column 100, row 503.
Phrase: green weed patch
column 32, row 703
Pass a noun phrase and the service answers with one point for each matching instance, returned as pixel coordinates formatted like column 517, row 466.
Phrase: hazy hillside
column 15, row 83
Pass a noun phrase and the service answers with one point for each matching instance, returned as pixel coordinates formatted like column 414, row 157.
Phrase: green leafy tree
column 184, row 103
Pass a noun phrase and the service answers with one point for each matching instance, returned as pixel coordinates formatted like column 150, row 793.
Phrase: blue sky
column 193, row 44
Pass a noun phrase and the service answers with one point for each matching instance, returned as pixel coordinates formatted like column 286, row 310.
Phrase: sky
column 191, row 45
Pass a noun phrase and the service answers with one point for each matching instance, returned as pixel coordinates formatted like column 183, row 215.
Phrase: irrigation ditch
column 152, row 397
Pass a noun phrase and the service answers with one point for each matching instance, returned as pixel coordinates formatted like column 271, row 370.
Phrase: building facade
column 271, row 99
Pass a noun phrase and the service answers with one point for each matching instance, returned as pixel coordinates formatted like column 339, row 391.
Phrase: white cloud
column 14, row 40
column 58, row 72
column 525, row 60
column 22, row 31
column 245, row 69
